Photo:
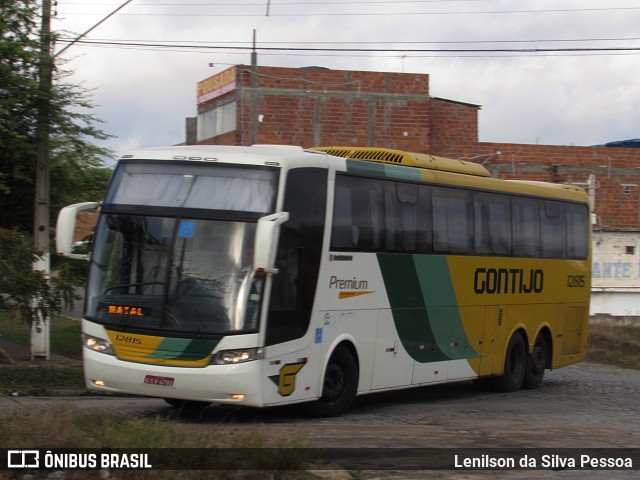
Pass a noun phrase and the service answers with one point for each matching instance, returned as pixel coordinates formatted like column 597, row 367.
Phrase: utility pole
column 40, row 329
column 253, row 107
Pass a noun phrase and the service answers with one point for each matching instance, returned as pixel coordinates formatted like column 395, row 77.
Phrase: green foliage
column 75, row 163
column 20, row 284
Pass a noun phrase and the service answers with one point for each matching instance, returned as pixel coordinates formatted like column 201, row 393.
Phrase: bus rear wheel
column 339, row 387
column 536, row 363
column 515, row 366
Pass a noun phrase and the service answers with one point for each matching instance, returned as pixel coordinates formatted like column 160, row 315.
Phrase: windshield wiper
column 128, row 285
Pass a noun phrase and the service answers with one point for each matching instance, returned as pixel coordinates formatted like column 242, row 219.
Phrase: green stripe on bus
column 442, row 305
column 424, row 307
column 183, row 349
column 383, row 170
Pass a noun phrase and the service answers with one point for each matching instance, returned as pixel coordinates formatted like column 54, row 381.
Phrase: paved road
column 582, row 406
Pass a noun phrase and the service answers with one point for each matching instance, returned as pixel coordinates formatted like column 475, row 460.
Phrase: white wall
column 615, row 287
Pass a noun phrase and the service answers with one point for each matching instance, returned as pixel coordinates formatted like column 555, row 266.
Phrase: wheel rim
column 334, row 383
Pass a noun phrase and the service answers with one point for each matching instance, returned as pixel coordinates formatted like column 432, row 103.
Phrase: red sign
column 162, row 381
column 216, row 86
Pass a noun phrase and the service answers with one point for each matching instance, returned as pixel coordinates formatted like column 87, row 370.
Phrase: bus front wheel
column 515, row 366
column 339, row 387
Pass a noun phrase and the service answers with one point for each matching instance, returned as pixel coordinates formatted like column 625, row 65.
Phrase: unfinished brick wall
column 616, row 171
column 316, row 106
column 454, row 128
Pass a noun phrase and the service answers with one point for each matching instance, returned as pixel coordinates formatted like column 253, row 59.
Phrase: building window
column 627, row 188
column 217, row 121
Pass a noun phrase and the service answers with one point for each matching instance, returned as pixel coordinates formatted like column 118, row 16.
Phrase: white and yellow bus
column 271, row 275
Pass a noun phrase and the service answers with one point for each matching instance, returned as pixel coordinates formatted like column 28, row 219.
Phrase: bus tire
column 339, row 387
column 536, row 363
column 515, row 365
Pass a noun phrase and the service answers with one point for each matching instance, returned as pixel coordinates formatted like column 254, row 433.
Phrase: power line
column 365, row 14
column 390, row 56
column 399, row 42
column 82, row 35
column 262, row 4
column 361, row 50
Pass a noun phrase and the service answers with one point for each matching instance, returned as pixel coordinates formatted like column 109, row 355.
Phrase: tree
column 20, row 284
column 76, row 163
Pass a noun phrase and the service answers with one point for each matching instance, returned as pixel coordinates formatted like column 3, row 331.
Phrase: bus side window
column 284, row 291
column 298, row 256
column 452, row 220
column 358, row 215
column 553, row 229
column 526, row 227
column 407, row 223
column 577, row 231
column 492, row 224
column 343, row 234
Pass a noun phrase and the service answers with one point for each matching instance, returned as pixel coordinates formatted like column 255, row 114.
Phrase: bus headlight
column 231, row 357
column 96, row 344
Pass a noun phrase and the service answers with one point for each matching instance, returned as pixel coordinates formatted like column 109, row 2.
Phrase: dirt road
column 579, row 407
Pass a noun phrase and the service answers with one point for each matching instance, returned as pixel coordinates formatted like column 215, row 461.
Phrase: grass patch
column 41, row 380
column 76, row 430
column 64, row 334
column 614, row 344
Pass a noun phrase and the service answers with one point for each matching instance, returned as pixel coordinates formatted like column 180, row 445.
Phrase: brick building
column 317, row 106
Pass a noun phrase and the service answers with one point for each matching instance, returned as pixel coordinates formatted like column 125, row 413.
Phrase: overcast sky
column 576, row 85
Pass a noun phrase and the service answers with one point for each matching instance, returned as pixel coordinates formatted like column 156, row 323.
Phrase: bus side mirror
column 66, row 228
column 267, row 231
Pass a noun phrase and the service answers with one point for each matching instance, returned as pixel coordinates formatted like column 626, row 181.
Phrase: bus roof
column 455, row 172
column 212, row 153
column 426, row 167
column 409, row 159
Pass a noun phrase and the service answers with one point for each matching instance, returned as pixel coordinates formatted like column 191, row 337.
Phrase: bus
column 271, row 275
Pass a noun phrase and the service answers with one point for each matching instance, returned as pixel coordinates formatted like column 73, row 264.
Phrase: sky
column 552, row 72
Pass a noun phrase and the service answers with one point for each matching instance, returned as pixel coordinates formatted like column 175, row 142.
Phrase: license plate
column 162, row 381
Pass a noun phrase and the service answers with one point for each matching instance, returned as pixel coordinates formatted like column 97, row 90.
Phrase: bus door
column 288, row 345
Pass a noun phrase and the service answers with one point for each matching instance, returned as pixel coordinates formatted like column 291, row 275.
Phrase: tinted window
column 577, row 231
column 452, row 220
column 492, row 224
column 298, row 257
column 386, row 215
column 408, row 223
column 358, row 214
column 526, row 227
column 553, row 229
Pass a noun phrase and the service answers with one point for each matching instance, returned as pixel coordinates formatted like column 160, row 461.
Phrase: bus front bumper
column 224, row 384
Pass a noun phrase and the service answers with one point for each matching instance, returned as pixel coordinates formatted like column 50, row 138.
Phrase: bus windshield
column 173, row 250
column 181, row 275
column 210, row 186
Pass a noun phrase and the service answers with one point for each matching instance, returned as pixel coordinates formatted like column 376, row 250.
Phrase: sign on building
column 217, row 85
